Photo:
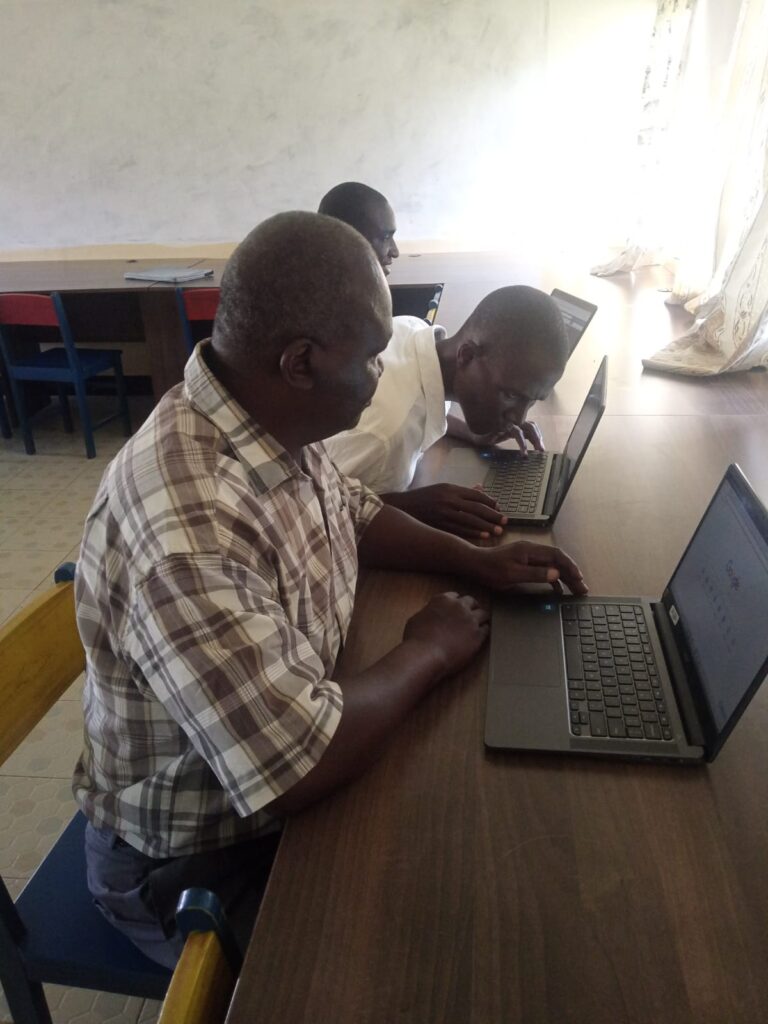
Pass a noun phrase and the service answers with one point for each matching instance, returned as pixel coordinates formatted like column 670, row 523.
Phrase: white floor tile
column 11, row 599
column 33, row 813
column 27, row 569
column 52, row 748
column 82, row 1006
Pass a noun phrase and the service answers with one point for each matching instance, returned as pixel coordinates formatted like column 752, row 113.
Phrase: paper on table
column 168, row 275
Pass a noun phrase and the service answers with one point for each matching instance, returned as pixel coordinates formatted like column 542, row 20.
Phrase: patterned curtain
column 703, row 149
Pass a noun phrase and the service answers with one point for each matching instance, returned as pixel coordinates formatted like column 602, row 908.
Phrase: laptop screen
column 583, row 429
column 719, row 595
column 577, row 314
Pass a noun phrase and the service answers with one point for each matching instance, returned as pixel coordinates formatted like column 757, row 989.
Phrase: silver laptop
column 531, row 488
column 577, row 314
column 632, row 677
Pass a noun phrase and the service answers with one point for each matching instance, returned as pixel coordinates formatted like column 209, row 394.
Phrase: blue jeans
column 138, row 894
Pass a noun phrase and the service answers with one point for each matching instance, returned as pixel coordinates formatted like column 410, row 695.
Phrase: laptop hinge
column 553, row 484
column 678, row 676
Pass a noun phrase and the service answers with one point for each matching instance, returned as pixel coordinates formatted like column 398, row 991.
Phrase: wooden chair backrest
column 201, row 987
column 40, row 656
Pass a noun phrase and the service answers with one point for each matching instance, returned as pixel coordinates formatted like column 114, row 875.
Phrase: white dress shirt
column 407, row 414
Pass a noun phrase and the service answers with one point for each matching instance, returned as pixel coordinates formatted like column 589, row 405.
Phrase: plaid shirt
column 214, row 591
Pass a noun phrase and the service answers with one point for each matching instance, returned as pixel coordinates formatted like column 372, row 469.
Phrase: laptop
column 636, row 678
column 577, row 314
column 531, row 488
column 419, row 300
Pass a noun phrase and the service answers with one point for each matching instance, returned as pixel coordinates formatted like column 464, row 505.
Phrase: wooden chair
column 202, row 984
column 197, row 311
column 67, row 366
column 54, row 933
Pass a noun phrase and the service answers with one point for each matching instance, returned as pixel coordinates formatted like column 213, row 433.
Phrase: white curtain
column 703, row 167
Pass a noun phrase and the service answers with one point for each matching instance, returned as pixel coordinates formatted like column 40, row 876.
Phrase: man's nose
column 517, row 410
column 394, row 252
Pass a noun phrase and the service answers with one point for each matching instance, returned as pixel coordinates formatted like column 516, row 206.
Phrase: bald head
column 303, row 317
column 295, row 275
column 368, row 212
column 519, row 320
column 509, row 354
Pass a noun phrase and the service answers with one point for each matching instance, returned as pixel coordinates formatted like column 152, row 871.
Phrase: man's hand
column 452, row 627
column 523, row 562
column 528, row 431
column 465, row 511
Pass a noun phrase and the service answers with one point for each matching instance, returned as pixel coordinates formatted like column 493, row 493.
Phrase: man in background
column 368, row 212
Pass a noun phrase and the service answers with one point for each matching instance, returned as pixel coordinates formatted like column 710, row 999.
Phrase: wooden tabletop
column 450, row 884
column 84, row 275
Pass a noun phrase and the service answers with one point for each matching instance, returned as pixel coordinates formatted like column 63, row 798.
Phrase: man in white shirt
column 509, row 354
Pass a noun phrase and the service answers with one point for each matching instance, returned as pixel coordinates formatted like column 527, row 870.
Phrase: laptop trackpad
column 526, row 706
column 526, row 645
column 465, row 467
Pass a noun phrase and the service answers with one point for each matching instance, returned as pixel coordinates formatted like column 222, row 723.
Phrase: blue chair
column 54, row 933
column 196, row 306
column 5, row 423
column 67, row 366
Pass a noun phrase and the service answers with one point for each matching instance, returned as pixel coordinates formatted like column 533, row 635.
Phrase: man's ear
column 467, row 352
column 296, row 364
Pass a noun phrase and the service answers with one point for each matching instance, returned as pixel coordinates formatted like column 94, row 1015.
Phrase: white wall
column 187, row 121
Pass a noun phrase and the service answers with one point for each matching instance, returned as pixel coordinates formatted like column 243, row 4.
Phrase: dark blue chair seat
column 53, row 364
column 67, row 940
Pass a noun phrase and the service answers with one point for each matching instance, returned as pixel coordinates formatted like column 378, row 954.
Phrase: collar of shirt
column 267, row 462
column 425, row 346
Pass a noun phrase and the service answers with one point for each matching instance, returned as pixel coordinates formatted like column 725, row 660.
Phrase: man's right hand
column 452, row 628
column 466, row 511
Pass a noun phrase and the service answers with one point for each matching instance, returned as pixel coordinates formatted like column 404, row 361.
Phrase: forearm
column 395, row 540
column 375, row 702
column 456, row 427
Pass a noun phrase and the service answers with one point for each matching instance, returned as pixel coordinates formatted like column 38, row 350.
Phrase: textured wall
column 186, row 120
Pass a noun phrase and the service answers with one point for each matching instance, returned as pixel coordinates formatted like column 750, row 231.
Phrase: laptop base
column 528, row 704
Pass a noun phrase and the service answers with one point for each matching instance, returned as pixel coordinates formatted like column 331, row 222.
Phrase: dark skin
column 496, row 389
column 379, row 227
column 313, row 388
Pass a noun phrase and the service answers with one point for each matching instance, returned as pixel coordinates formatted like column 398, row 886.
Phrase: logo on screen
column 735, row 580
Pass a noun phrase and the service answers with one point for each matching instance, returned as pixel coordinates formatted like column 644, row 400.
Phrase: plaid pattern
column 214, row 591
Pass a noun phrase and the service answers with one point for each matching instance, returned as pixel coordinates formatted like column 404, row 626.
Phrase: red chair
column 64, row 366
column 196, row 306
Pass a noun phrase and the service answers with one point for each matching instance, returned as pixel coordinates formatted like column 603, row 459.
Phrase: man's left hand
column 523, row 434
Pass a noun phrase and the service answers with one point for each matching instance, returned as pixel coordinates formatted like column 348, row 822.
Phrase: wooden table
column 450, row 884
column 103, row 307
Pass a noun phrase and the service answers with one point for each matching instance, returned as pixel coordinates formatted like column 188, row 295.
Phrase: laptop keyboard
column 516, row 486
column 613, row 682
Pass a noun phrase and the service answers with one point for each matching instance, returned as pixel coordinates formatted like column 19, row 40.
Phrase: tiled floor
column 43, row 501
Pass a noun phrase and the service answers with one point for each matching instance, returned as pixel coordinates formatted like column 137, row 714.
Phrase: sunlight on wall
column 596, row 61
column 501, row 126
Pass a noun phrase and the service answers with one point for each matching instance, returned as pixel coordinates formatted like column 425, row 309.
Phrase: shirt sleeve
column 361, row 455
column 245, row 686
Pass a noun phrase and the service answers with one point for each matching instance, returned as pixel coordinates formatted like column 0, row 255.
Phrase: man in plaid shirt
column 215, row 589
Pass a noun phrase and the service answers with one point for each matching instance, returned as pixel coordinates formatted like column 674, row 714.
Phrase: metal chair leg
column 5, row 423
column 85, row 418
column 17, row 391
column 122, row 397
column 66, row 415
